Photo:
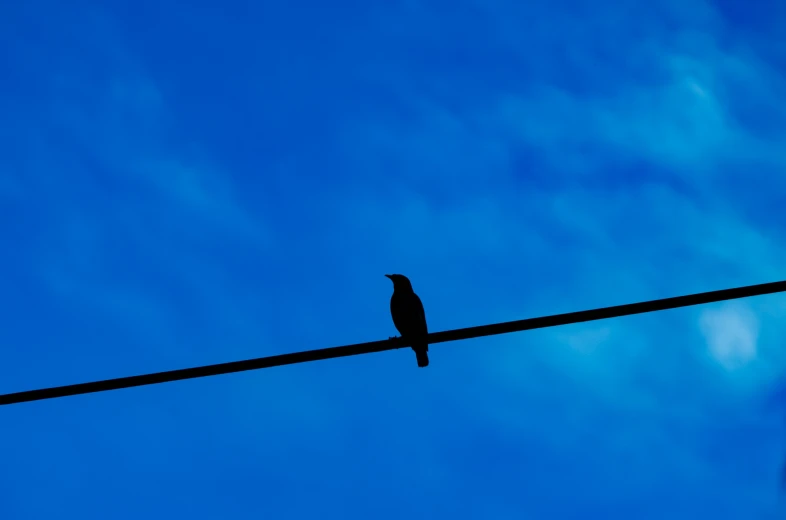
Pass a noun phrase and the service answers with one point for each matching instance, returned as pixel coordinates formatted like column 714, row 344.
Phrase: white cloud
column 732, row 333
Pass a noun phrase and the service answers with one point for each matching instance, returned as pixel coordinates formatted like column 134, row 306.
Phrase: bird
column 409, row 317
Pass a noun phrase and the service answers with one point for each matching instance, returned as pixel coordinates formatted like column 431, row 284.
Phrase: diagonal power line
column 395, row 343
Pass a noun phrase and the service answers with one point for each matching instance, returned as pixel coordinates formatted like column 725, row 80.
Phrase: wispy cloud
column 731, row 333
column 684, row 121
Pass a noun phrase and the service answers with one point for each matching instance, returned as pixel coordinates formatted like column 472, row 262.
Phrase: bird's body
column 409, row 317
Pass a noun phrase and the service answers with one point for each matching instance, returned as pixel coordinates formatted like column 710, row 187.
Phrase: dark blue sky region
column 191, row 183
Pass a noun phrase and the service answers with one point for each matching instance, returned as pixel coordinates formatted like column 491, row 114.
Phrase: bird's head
column 400, row 281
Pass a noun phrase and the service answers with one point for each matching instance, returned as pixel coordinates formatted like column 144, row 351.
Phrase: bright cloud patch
column 731, row 333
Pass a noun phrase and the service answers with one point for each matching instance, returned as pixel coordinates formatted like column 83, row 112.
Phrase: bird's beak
column 389, row 276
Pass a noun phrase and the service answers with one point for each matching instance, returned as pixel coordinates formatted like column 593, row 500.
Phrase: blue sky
column 191, row 183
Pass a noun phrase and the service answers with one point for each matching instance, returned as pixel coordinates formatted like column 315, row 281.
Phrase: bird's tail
column 421, row 352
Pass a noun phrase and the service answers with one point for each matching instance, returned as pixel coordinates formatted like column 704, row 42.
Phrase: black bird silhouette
column 409, row 317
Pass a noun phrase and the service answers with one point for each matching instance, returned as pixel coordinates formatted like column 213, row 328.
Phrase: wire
column 395, row 343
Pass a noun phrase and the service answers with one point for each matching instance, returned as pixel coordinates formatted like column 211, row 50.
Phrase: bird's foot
column 393, row 337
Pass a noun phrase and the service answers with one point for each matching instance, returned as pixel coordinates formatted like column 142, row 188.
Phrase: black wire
column 395, row 343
